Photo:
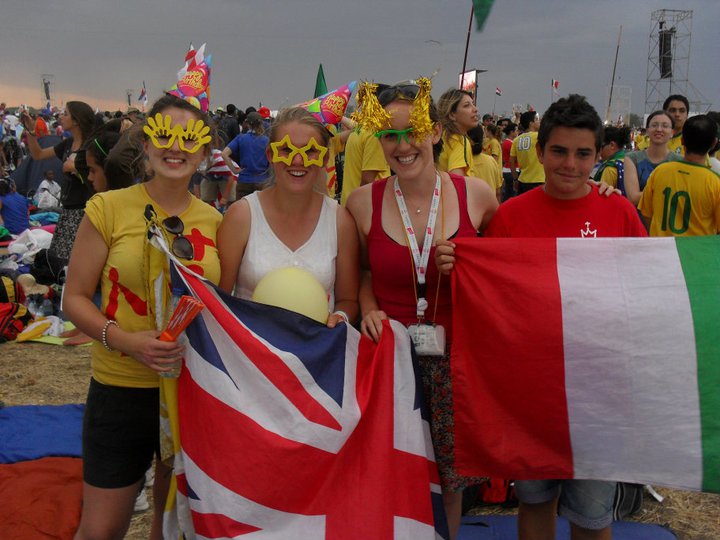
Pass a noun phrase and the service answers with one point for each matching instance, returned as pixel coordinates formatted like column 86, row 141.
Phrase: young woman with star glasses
column 290, row 223
column 399, row 279
column 121, row 427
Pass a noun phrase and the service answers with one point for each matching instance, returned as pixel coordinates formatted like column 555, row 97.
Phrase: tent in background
column 29, row 174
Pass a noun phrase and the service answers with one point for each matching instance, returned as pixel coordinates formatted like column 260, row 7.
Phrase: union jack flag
column 290, row 429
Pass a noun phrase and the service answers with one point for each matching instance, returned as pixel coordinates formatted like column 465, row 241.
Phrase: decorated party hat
column 330, row 108
column 194, row 79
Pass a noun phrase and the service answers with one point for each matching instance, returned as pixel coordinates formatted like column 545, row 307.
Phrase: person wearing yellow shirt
column 458, row 114
column 524, row 155
column 336, row 146
column 491, row 143
column 678, row 107
column 484, row 166
column 121, row 430
column 364, row 162
column 612, row 152
column 682, row 198
column 641, row 140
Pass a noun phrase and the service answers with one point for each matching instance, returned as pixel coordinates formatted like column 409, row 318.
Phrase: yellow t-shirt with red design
column 118, row 216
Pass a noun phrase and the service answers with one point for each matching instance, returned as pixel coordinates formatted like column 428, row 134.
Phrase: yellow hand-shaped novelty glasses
column 283, row 151
column 190, row 138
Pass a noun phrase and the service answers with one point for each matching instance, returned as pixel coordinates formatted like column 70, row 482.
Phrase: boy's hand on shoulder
column 605, row 189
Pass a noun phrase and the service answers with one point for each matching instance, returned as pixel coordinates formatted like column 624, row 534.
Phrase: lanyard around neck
column 420, row 258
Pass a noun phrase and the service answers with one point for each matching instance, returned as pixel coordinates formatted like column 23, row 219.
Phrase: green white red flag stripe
column 578, row 358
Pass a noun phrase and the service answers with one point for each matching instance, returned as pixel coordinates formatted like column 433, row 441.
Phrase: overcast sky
column 269, row 50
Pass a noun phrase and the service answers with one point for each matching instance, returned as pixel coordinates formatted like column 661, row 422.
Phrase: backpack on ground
column 14, row 318
column 47, row 268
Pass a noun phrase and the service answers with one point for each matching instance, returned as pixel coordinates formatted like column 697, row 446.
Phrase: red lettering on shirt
column 137, row 304
column 199, row 242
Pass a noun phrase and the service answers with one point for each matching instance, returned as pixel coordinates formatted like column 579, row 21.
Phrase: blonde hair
column 447, row 104
column 301, row 116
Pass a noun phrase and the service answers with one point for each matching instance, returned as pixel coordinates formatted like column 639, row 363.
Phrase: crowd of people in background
column 627, row 158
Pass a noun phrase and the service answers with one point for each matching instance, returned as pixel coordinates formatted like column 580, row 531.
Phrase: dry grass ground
column 39, row 374
column 36, row 374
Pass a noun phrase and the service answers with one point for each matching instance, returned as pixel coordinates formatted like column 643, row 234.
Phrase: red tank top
column 392, row 267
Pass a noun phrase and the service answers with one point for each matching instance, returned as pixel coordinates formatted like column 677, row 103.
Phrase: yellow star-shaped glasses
column 283, row 151
column 190, row 138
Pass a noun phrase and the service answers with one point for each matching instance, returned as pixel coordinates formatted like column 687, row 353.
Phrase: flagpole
column 493, row 113
column 612, row 81
column 467, row 46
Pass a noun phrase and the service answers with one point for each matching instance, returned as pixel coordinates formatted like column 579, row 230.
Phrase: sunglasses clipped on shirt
column 181, row 247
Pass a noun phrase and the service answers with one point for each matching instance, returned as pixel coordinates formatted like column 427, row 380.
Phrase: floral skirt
column 64, row 237
column 435, row 374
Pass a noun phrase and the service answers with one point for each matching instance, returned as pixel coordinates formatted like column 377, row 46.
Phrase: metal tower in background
column 46, row 90
column 668, row 63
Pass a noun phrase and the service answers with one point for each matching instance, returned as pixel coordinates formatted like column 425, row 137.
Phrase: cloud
column 269, row 50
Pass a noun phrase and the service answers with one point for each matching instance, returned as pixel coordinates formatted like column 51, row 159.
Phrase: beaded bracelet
column 342, row 315
column 104, row 333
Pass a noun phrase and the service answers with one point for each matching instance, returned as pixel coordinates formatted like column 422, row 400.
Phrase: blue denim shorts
column 586, row 503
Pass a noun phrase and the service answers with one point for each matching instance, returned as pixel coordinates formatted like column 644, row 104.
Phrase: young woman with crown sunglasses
column 399, row 219
column 121, row 425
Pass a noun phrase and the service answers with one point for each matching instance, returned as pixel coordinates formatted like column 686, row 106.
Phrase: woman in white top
column 291, row 224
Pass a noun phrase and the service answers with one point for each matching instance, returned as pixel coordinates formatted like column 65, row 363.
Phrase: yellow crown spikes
column 420, row 115
column 370, row 114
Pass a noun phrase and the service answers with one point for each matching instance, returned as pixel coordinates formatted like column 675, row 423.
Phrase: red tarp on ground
column 41, row 499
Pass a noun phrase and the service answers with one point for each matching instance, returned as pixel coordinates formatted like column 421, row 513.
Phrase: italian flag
column 588, row 358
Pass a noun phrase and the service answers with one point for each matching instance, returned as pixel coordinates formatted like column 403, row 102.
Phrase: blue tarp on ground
column 37, row 431
column 505, row 528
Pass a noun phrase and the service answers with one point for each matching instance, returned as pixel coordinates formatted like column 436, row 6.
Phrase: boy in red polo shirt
column 568, row 145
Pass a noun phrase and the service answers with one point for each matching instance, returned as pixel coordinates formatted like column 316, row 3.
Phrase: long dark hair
column 101, row 142
column 83, row 114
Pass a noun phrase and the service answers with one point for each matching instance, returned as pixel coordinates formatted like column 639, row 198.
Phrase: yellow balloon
column 295, row 289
